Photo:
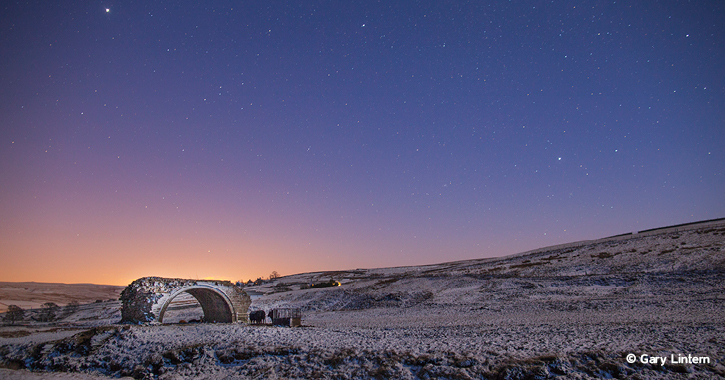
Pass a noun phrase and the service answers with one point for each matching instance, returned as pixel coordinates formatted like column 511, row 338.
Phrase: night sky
column 228, row 139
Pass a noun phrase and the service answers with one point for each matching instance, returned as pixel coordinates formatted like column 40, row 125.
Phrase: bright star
column 108, row 10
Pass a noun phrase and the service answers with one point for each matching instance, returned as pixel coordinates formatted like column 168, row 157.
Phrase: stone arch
column 146, row 299
column 216, row 305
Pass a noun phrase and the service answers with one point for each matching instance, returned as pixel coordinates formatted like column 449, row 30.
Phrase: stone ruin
column 146, row 299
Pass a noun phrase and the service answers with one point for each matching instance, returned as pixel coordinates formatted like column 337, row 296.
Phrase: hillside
column 636, row 265
column 33, row 294
column 571, row 311
column 663, row 263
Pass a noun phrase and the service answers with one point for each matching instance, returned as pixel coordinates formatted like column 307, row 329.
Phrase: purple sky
column 229, row 139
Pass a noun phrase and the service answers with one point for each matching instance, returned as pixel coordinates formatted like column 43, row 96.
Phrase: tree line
column 49, row 312
column 259, row 281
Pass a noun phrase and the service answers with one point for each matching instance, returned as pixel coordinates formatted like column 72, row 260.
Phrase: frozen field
column 572, row 311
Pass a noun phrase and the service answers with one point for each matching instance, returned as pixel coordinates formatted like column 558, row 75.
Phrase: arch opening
column 215, row 307
column 184, row 308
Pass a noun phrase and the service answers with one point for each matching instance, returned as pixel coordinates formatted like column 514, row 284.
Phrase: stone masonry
column 146, row 299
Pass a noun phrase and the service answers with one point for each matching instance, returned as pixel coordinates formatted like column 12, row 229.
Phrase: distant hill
column 33, row 294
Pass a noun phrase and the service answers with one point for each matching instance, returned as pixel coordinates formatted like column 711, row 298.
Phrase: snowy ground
column 569, row 312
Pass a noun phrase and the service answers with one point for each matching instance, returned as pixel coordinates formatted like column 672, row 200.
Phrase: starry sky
column 228, row 139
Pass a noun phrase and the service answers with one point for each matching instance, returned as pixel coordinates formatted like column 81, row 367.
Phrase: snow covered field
column 575, row 311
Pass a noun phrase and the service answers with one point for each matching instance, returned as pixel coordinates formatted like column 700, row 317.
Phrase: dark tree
column 71, row 308
column 50, row 309
column 15, row 313
column 274, row 275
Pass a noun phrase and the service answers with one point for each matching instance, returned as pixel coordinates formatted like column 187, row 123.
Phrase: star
column 108, row 10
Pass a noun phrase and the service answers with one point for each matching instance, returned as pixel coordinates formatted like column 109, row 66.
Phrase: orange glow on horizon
column 117, row 242
column 114, row 261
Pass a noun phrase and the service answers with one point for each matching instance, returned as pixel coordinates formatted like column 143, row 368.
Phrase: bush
column 15, row 313
column 49, row 312
column 71, row 308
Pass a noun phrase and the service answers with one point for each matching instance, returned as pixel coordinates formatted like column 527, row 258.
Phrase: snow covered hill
column 585, row 310
column 634, row 266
